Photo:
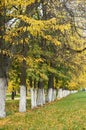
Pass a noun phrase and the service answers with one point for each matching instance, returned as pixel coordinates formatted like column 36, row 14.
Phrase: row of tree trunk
column 38, row 96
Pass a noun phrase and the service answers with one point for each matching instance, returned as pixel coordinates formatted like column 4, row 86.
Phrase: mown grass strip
column 66, row 114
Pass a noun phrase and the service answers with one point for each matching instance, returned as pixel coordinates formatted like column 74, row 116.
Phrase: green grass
column 8, row 96
column 66, row 114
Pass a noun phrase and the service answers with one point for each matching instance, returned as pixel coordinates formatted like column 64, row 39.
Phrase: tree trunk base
column 3, row 86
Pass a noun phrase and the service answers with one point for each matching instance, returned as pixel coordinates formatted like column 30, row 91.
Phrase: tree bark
column 3, row 85
column 60, row 93
column 54, row 94
column 40, row 95
column 50, row 87
column 13, row 94
column 3, row 62
column 35, row 93
column 22, row 103
column 33, row 97
column 50, row 94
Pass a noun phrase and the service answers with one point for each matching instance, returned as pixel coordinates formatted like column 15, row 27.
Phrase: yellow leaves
column 11, row 85
column 24, row 29
column 82, row 79
column 21, row 41
column 73, row 85
column 52, row 70
column 56, row 42
column 19, row 58
column 35, row 30
column 33, row 61
column 30, row 61
column 62, row 28
column 34, row 27
column 26, row 40
column 43, row 76
column 6, row 52
column 38, row 60
column 6, row 38
column 48, row 37
column 38, row 27
column 11, row 35
column 59, row 83
column 19, row 2
column 53, row 40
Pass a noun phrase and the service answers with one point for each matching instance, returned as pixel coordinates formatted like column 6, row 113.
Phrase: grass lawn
column 66, row 114
column 8, row 96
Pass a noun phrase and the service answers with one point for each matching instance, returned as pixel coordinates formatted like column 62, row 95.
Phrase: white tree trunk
column 50, row 94
column 60, row 94
column 64, row 93
column 43, row 97
column 22, row 103
column 33, row 98
column 68, row 91
column 75, row 91
column 54, row 95
column 40, row 97
column 71, row 92
column 3, row 86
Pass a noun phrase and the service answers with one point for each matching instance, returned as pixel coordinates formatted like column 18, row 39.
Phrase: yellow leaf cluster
column 62, row 28
column 43, row 76
column 11, row 85
column 18, row 2
column 6, row 52
column 53, row 40
column 38, row 60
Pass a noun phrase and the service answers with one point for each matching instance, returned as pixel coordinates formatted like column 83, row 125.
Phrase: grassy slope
column 66, row 114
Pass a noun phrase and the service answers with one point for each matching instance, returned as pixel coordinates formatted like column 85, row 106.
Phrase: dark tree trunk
column 31, row 84
column 50, row 87
column 51, row 81
column 33, row 93
column 22, row 103
column 3, row 64
column 13, row 94
column 35, row 83
column 41, row 94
